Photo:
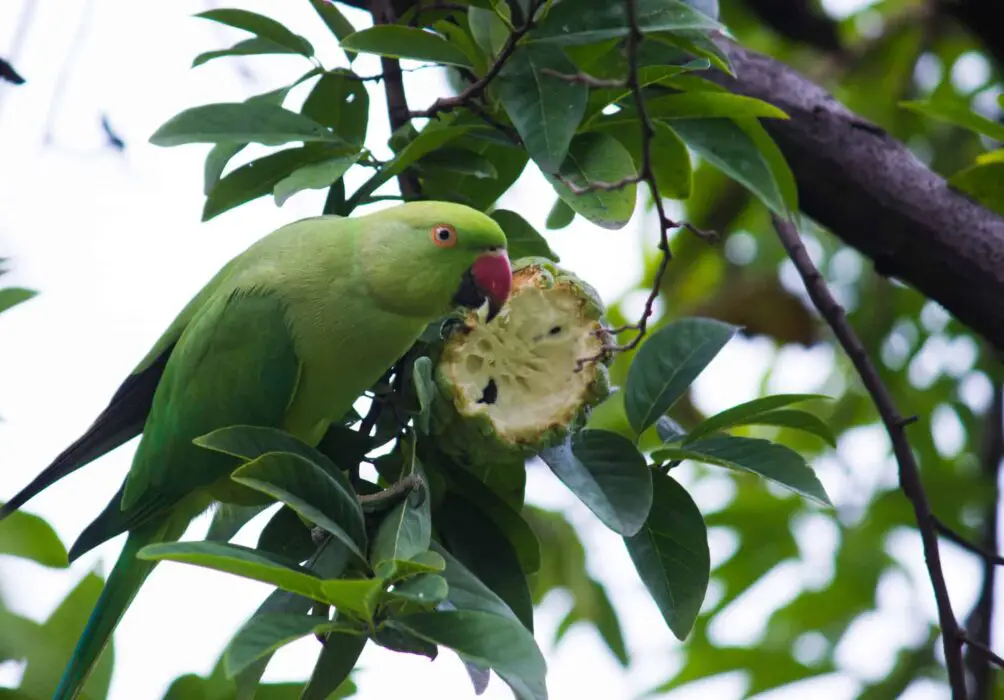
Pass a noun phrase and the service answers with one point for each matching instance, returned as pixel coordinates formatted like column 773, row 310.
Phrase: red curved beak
column 492, row 275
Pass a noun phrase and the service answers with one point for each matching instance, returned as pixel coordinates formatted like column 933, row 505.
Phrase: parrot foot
column 392, row 495
column 381, row 500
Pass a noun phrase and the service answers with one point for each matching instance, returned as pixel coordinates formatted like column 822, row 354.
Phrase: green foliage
column 457, row 559
column 984, row 179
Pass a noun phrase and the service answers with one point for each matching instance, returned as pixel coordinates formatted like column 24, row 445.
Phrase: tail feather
column 123, row 583
column 120, row 422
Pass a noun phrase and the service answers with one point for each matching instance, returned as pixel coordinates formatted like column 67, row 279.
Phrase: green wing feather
column 235, row 364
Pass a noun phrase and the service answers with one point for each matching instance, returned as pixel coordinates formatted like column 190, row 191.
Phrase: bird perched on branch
column 287, row 335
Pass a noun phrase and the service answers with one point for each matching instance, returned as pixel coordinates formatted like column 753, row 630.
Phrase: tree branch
column 397, row 104
column 980, row 623
column 909, row 473
column 871, row 192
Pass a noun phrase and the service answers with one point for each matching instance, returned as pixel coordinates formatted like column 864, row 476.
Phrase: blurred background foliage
column 871, row 56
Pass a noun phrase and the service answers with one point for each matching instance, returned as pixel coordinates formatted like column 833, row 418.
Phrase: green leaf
column 700, row 44
column 249, row 442
column 407, row 530
column 397, row 41
column 592, row 21
column 262, row 26
column 476, row 192
column 338, row 657
column 239, row 561
column 778, row 463
column 357, row 597
column 671, row 556
column 427, row 562
column 339, row 100
column 425, row 390
column 545, row 110
column 560, row 216
column 500, row 510
column 263, row 634
column 667, row 364
column 778, row 164
column 12, row 296
column 314, row 176
column 467, row 591
column 436, row 135
column 741, row 414
column 796, row 420
column 255, row 46
column 244, row 122
column 425, row 589
column 704, row 105
column 730, row 149
column 958, row 114
column 256, row 179
column 481, row 546
column 983, row 182
column 55, row 640
column 670, row 157
column 228, row 519
column 598, row 158
column 523, row 239
column 311, row 492
column 457, row 160
column 485, row 639
column 607, row 473
column 335, row 21
column 601, row 98
column 286, row 535
column 29, row 536
column 489, row 32
column 224, row 151
column 329, row 561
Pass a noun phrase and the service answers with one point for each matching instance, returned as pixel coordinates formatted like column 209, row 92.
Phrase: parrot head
column 423, row 258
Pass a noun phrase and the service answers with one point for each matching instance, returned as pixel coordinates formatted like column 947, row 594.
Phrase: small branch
column 983, row 649
column 950, row 534
column 476, row 89
column 393, row 493
column 979, row 626
column 909, row 472
column 585, row 79
column 647, row 175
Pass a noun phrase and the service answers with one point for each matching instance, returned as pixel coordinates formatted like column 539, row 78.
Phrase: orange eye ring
column 444, row 235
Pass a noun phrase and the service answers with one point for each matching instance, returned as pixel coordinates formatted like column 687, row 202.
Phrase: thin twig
column 909, row 472
column 958, row 539
column 983, row 648
column 585, row 79
column 979, row 626
column 474, row 91
column 646, row 174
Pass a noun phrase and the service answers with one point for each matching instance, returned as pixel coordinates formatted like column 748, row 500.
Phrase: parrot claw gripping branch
column 287, row 336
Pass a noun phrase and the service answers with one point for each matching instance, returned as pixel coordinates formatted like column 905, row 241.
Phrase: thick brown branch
column 909, row 472
column 870, row 191
column 397, row 104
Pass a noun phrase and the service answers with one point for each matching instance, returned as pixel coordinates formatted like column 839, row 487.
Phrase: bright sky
column 115, row 246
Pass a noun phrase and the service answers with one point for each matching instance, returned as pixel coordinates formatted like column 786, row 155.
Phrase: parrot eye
column 444, row 235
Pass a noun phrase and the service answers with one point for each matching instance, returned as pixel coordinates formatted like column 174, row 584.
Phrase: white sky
column 114, row 244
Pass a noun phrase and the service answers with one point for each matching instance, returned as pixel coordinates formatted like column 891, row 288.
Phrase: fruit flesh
column 519, row 370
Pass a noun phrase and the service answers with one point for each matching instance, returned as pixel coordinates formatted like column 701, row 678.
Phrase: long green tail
column 123, row 583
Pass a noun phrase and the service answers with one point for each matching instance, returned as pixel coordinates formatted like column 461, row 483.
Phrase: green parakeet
column 287, row 335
